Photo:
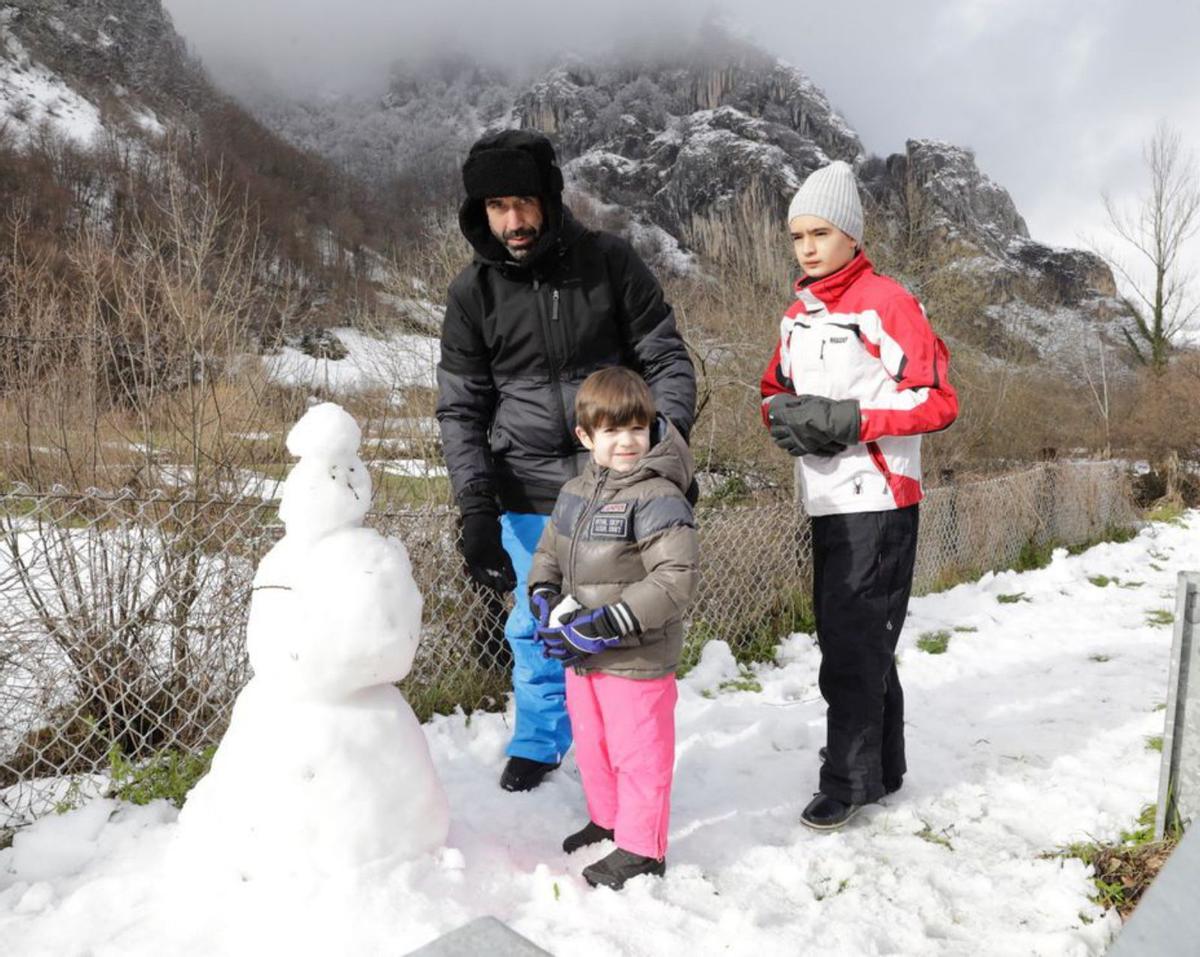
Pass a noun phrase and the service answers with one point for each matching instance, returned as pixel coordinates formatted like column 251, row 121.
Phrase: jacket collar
column 668, row 457
column 830, row 289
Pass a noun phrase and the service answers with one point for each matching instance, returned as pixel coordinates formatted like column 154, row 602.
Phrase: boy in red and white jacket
column 857, row 378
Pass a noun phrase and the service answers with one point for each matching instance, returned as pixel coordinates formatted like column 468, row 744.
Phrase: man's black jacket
column 517, row 342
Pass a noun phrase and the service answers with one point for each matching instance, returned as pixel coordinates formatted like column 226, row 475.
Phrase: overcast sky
column 1056, row 97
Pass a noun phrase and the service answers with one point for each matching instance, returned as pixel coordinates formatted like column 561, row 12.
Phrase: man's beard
column 521, row 252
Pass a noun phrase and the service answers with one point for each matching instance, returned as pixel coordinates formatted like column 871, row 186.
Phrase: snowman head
column 329, row 487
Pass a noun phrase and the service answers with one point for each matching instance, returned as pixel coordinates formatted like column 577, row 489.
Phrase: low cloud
column 1055, row 99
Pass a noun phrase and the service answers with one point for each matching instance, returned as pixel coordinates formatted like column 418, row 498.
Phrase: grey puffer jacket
column 631, row 537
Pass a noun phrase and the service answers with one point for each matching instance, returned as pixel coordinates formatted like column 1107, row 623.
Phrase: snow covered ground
column 396, row 362
column 1030, row 731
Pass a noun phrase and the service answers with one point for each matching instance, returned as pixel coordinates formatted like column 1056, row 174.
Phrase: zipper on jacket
column 552, row 349
column 584, row 517
column 821, row 355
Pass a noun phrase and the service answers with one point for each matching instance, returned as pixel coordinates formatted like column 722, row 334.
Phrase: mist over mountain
column 654, row 138
column 657, row 138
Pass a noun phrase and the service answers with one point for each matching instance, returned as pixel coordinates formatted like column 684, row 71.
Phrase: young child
column 622, row 543
column 857, row 377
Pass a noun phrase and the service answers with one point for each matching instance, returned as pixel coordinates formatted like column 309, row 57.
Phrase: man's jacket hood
column 559, row 227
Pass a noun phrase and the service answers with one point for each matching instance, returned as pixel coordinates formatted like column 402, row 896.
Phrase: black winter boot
column 621, row 865
column 524, row 774
column 827, row 814
column 590, row 833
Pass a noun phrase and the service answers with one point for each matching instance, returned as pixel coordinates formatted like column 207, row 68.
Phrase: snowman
column 324, row 765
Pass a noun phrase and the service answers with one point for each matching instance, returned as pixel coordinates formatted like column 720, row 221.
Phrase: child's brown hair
column 614, row 397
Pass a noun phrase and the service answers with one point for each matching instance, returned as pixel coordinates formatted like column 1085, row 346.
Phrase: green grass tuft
column 1113, row 533
column 1155, row 743
column 1122, row 871
column 934, row 642
column 1033, row 556
column 1012, row 599
column 927, row 833
column 745, row 681
column 169, row 775
column 1160, row 618
column 1169, row 512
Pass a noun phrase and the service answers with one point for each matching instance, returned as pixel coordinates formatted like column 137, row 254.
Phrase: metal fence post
column 1179, row 777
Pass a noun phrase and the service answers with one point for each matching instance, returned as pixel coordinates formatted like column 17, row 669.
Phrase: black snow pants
column 862, row 576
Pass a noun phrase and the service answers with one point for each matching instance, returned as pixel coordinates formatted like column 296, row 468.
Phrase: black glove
column 813, row 424
column 487, row 561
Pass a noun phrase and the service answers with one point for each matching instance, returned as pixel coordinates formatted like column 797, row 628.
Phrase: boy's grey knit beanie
column 832, row 194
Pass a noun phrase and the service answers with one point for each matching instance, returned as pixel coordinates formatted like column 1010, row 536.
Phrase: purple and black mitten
column 542, row 601
column 588, row 631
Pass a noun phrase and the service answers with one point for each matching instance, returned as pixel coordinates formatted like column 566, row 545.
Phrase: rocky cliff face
column 123, row 58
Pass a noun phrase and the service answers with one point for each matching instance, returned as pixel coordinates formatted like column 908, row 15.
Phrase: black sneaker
column 613, row 871
column 591, row 833
column 827, row 814
column 524, row 774
column 889, row 787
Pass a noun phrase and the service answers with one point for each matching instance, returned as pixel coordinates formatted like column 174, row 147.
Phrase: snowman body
column 324, row 764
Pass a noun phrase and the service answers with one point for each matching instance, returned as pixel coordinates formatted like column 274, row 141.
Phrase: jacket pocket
column 500, row 441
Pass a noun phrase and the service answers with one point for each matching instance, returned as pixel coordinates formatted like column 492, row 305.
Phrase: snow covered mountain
column 102, row 106
column 667, row 137
column 81, row 69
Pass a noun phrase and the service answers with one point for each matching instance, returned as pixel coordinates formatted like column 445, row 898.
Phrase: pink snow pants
column 624, row 732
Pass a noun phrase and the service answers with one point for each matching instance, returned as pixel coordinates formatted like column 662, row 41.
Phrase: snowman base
column 301, row 804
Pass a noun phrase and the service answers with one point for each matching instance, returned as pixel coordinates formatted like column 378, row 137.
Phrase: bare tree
column 1100, row 392
column 1155, row 231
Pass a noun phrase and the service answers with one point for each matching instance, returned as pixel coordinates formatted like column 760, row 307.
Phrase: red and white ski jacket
column 858, row 335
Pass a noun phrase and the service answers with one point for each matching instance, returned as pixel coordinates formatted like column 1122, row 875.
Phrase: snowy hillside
column 102, row 106
column 1028, row 731
column 80, row 71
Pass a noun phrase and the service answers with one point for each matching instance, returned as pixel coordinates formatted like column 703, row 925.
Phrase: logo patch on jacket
column 611, row 521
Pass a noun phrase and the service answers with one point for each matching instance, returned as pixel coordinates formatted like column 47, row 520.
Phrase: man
column 543, row 304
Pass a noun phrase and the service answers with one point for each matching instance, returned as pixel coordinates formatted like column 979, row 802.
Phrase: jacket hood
column 555, row 239
column 668, row 457
column 511, row 163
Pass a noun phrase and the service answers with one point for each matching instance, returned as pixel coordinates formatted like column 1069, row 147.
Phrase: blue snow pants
column 543, row 731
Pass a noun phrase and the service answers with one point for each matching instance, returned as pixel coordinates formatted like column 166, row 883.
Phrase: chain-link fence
column 122, row 616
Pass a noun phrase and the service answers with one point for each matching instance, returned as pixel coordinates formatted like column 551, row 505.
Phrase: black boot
column 613, row 871
column 524, row 774
column 827, row 814
column 590, row 833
